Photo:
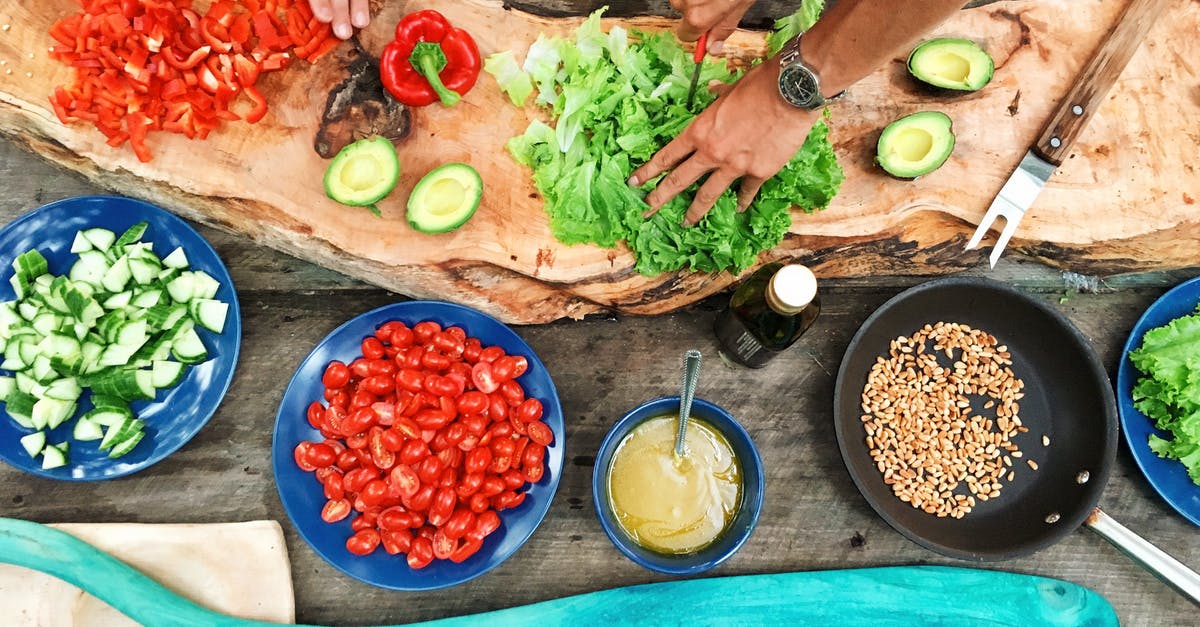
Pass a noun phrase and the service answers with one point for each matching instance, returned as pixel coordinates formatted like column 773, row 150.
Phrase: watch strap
column 790, row 53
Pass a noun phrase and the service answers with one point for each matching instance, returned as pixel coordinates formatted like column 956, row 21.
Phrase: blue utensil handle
column 897, row 595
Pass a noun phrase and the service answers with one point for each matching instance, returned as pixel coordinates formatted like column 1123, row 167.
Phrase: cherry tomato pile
column 143, row 65
column 427, row 436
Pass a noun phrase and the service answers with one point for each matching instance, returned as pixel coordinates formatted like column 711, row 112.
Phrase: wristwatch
column 798, row 83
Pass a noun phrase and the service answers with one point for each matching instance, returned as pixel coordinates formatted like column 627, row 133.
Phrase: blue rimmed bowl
column 738, row 530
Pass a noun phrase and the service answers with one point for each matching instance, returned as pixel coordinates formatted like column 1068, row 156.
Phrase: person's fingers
column 721, row 31
column 719, row 88
column 670, row 156
column 321, row 10
column 687, row 31
column 747, row 192
column 707, row 196
column 360, row 13
column 341, row 19
column 678, row 180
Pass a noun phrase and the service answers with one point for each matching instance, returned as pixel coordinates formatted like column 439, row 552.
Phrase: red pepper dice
column 429, row 60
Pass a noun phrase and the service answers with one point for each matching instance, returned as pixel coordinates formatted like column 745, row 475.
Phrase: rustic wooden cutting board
column 1124, row 201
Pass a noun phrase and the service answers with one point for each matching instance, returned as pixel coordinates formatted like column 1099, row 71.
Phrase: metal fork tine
column 1010, row 227
column 984, row 225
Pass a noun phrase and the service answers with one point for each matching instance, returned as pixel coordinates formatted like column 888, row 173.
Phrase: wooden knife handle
column 1073, row 113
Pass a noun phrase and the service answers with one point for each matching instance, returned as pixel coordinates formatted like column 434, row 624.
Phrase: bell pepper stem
column 429, row 59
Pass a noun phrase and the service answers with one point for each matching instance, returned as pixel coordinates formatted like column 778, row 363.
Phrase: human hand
column 749, row 132
column 344, row 15
column 718, row 18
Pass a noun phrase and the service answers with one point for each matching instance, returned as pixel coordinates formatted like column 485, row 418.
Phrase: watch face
column 799, row 87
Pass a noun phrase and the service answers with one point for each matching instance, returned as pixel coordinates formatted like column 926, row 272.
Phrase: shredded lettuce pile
column 1169, row 391
column 615, row 99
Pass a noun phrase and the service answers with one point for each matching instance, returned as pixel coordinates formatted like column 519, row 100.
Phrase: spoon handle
column 691, row 374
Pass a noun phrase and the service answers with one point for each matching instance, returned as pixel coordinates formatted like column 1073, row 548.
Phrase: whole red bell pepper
column 429, row 60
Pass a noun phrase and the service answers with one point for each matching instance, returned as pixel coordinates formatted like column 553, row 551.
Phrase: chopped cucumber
column 101, row 239
column 189, row 348
column 124, row 446
column 166, row 374
column 112, row 324
column 86, row 430
column 80, row 244
column 34, row 443
column 177, row 259
column 53, row 457
column 209, row 313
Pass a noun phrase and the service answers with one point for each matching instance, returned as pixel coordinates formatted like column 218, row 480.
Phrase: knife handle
column 1092, row 85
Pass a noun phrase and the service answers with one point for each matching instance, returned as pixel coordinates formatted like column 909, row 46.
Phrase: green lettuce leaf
column 794, row 24
column 1169, row 390
column 614, row 100
column 513, row 81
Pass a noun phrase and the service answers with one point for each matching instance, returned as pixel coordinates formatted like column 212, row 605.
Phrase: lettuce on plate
column 614, row 99
column 1169, row 391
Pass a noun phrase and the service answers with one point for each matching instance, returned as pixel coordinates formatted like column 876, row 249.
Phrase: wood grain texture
column 1124, row 202
column 813, row 518
column 1070, row 117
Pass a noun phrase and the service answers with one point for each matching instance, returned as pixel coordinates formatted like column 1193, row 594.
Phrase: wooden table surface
column 813, row 518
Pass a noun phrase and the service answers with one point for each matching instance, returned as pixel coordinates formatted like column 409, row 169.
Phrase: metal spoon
column 691, row 373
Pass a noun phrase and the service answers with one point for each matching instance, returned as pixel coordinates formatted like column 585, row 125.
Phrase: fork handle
column 1077, row 107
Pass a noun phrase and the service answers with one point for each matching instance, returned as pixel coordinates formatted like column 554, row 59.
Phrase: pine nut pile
column 921, row 432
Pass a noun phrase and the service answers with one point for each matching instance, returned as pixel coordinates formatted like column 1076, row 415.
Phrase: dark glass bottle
column 767, row 314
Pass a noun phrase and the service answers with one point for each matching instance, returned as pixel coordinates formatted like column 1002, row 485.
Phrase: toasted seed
column 1045, row 440
column 1032, row 464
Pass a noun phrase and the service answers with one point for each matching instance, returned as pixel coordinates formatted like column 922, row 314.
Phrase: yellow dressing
column 669, row 505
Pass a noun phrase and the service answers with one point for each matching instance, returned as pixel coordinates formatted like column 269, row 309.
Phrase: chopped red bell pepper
column 429, row 60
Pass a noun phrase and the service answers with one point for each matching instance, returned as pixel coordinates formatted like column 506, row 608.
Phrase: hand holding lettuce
column 615, row 100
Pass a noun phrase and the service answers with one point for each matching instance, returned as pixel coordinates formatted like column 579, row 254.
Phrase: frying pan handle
column 1168, row 569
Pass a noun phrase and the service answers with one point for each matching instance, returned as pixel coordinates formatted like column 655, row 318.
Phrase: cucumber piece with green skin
column 7, row 385
column 176, row 259
column 166, row 374
column 80, row 243
column 445, row 198
column 916, row 144
column 53, row 457
column 34, row 443
column 109, row 415
column 101, row 239
column 30, row 265
column 126, row 445
column 131, row 235
column 90, row 268
column 363, row 172
column 86, row 430
column 951, row 63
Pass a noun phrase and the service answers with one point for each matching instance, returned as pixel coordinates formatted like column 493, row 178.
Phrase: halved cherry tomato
column 491, row 354
column 443, row 545
column 372, row 348
column 540, row 433
column 363, row 542
column 316, row 414
column 512, row 392
column 337, row 375
column 301, row 456
column 484, row 379
column 404, row 480
column 335, row 511
column 396, row 541
column 424, row 331
column 420, row 553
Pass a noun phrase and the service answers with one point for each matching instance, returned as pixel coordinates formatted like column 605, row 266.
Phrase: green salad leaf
column 615, row 99
column 1169, row 391
column 794, row 24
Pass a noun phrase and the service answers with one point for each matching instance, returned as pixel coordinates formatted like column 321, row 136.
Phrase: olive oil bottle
column 767, row 314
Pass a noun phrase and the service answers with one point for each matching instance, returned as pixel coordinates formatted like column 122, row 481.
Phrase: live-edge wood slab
column 1125, row 201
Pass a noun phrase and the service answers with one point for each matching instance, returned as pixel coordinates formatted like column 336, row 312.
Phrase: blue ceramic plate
column 303, row 496
column 1168, row 476
column 177, row 414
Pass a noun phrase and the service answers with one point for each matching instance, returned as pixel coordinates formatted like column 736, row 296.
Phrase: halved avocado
column 950, row 63
column 916, row 144
column 445, row 199
column 362, row 173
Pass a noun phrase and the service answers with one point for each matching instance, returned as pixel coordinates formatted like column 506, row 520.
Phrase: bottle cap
column 792, row 288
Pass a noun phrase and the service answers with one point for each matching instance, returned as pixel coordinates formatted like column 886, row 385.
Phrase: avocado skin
column 382, row 149
column 981, row 65
column 937, row 124
column 418, row 218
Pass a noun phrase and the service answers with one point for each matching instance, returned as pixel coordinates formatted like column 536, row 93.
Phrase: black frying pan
column 1068, row 398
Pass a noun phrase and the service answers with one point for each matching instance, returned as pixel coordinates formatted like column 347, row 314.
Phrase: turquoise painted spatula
column 898, row 595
